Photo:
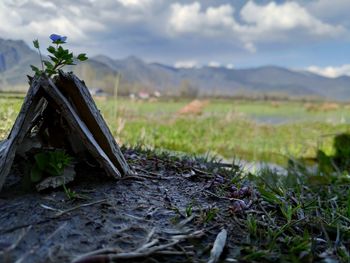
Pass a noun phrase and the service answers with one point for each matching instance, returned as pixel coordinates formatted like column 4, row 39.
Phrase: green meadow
column 300, row 217
column 249, row 130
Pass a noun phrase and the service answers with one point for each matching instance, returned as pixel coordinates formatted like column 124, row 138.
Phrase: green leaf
column 35, row 174
column 36, row 70
column 54, row 59
column 42, row 160
column 82, row 57
column 60, row 52
column 48, row 64
column 51, row 72
column 269, row 196
column 36, row 43
column 67, row 55
column 58, row 160
column 51, row 49
column 68, row 61
column 54, row 170
column 348, row 205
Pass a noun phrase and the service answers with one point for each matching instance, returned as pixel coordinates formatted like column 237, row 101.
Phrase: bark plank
column 19, row 130
column 79, row 95
column 71, row 100
column 79, row 126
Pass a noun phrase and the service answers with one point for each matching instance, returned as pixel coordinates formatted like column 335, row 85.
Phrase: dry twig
column 79, row 206
column 146, row 250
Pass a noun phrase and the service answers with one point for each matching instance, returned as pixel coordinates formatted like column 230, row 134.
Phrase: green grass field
column 250, row 130
column 244, row 129
column 300, row 217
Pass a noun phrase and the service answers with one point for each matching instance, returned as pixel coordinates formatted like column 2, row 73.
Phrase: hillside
column 15, row 58
column 100, row 72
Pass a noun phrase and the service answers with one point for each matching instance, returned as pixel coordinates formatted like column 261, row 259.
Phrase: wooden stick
column 127, row 255
column 79, row 206
column 109, row 254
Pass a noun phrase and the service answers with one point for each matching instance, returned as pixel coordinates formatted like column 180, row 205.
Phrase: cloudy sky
column 309, row 34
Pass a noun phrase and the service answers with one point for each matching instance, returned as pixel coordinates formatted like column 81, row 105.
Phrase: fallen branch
column 146, row 250
column 79, row 206
column 157, row 176
column 216, row 196
column 186, row 220
column 174, row 253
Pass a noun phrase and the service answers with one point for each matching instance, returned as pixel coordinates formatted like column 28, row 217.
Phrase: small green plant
column 70, row 193
column 300, row 245
column 210, row 214
column 59, row 57
column 188, row 210
column 287, row 211
column 252, row 225
column 51, row 163
column 176, row 219
column 348, row 205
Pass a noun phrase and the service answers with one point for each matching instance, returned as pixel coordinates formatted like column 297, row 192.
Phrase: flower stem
column 41, row 60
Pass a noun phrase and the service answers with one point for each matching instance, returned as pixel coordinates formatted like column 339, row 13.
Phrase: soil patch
column 168, row 206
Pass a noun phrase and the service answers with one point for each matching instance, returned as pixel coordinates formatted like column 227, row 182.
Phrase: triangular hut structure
column 61, row 113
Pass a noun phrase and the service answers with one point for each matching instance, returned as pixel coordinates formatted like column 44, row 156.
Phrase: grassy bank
column 248, row 130
column 301, row 216
column 251, row 130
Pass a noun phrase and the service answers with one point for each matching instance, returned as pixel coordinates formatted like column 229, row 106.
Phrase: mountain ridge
column 100, row 72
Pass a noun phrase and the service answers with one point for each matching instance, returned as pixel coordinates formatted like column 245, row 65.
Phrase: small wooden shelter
column 61, row 113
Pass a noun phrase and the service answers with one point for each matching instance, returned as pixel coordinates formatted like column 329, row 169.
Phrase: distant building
column 98, row 92
column 156, row 94
column 132, row 96
column 143, row 95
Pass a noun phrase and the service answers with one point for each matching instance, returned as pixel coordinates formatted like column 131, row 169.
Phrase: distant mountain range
column 137, row 75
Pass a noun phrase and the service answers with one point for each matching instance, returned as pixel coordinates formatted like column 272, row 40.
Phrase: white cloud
column 214, row 64
column 331, row 72
column 136, row 3
column 273, row 18
column 250, row 47
column 260, row 23
column 230, row 66
column 80, row 20
column 35, row 19
column 176, row 29
column 191, row 19
column 186, row 64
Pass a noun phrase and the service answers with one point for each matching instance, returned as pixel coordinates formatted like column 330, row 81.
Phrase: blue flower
column 58, row 38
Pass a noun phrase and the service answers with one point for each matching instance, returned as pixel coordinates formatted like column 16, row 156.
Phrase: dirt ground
column 167, row 212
